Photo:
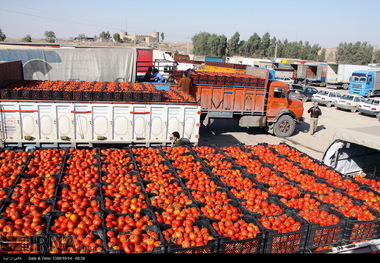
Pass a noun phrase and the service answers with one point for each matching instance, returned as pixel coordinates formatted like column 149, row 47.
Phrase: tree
column 233, row 45
column 116, row 37
column 82, row 37
column 105, row 35
column 162, row 36
column 200, row 44
column 264, row 45
column 26, row 38
column 2, row 35
column 252, row 46
column 50, row 36
column 376, row 56
column 354, row 53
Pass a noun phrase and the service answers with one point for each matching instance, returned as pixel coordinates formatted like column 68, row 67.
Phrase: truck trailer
column 316, row 73
column 338, row 75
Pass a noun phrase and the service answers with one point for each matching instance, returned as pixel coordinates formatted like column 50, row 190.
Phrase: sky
column 323, row 22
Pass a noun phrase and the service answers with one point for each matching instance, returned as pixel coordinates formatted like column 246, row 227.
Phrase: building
column 154, row 37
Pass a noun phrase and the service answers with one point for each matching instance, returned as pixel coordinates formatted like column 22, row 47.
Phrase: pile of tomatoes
column 163, row 199
column 125, row 91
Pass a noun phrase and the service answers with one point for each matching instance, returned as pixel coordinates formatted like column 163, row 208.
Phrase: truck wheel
column 346, row 86
column 284, row 127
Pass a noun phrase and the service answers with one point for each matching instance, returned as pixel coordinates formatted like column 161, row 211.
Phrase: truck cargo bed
column 86, row 124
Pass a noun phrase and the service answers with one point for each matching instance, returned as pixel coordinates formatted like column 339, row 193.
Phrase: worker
column 157, row 76
column 171, row 78
column 148, row 75
column 185, row 82
column 177, row 141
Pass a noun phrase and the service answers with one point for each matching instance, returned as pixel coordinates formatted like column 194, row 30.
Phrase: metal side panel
column 174, row 120
column 101, row 122
column 29, row 121
column 10, row 122
column 82, row 122
column 140, row 118
column 157, row 123
column 121, row 123
column 46, row 122
column 191, row 123
column 64, row 122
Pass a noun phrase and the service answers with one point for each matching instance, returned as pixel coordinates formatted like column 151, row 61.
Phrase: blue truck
column 365, row 83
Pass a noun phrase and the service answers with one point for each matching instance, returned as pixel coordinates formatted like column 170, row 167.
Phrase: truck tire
column 284, row 127
column 346, row 86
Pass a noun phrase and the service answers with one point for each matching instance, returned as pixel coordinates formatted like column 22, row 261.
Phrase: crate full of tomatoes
column 184, row 200
column 92, row 91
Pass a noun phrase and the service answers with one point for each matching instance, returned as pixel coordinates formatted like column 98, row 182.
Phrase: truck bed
column 74, row 124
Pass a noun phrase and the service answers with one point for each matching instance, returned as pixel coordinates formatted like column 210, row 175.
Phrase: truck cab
column 365, row 83
column 282, row 112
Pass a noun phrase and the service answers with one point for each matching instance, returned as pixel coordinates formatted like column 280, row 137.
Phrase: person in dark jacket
column 148, row 75
column 315, row 112
column 177, row 141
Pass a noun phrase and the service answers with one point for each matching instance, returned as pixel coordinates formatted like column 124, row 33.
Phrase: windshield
column 358, row 78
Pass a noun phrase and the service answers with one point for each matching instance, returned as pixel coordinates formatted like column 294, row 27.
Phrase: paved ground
column 228, row 132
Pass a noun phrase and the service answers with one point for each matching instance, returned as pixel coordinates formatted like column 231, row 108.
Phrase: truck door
column 144, row 60
column 277, row 99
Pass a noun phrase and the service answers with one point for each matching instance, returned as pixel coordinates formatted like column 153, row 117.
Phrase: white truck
column 60, row 124
column 59, row 121
column 338, row 75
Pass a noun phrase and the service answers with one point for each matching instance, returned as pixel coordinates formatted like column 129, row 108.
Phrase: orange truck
column 253, row 101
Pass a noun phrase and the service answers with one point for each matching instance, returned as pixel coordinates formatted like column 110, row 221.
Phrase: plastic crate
column 321, row 238
column 210, row 248
column 246, row 246
column 291, row 242
column 357, row 231
column 15, row 94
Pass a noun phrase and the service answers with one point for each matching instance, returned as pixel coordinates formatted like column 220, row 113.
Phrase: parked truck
column 87, row 64
column 338, row 75
column 365, row 83
column 252, row 101
column 316, row 73
column 79, row 113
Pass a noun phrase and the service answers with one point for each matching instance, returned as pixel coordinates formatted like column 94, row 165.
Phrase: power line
column 57, row 19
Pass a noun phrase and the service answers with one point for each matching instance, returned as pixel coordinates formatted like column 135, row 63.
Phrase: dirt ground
column 228, row 132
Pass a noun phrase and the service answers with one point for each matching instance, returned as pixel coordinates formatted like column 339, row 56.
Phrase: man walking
column 315, row 112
